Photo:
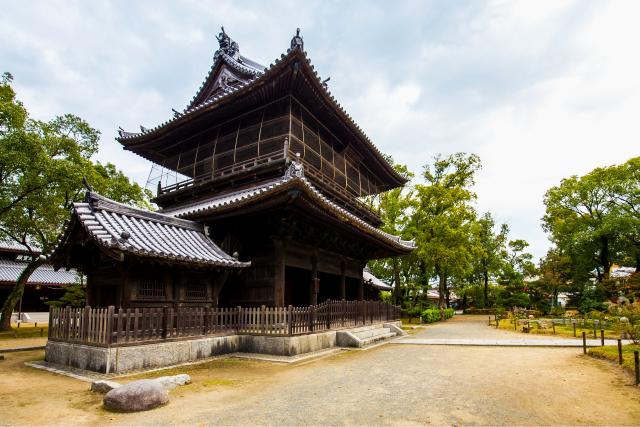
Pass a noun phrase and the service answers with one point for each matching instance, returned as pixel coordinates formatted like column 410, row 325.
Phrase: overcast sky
column 540, row 90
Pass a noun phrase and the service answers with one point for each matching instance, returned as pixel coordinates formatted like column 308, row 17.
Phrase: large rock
column 103, row 386
column 172, row 382
column 136, row 396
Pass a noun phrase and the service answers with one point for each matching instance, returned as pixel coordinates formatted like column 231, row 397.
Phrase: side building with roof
column 45, row 283
column 260, row 187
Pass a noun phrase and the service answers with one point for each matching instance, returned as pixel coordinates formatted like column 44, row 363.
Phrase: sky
column 540, row 90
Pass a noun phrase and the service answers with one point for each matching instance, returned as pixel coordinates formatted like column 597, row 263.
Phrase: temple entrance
column 329, row 287
column 297, row 282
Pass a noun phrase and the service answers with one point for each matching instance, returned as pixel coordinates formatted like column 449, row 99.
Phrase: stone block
column 136, row 396
column 104, row 386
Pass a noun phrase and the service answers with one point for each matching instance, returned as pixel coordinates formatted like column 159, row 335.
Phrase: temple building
column 260, row 184
column 44, row 285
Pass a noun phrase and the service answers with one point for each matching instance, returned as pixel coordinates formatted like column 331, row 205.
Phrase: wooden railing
column 116, row 327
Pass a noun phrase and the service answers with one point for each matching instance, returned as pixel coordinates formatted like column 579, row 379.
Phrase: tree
column 490, row 247
column 555, row 273
column 442, row 217
column 392, row 208
column 42, row 165
column 516, row 267
column 582, row 219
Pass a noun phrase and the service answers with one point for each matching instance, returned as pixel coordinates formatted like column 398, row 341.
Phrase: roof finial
column 227, row 45
column 296, row 41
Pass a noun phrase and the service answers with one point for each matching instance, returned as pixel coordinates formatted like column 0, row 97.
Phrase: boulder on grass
column 136, row 396
column 104, row 386
column 171, row 382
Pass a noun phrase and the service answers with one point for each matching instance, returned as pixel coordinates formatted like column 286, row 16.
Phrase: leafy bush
column 629, row 319
column 557, row 311
column 431, row 315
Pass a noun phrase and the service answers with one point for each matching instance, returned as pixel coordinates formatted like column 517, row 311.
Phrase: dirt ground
column 389, row 385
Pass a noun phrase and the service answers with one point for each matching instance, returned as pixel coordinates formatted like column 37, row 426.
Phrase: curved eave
column 346, row 217
column 139, row 139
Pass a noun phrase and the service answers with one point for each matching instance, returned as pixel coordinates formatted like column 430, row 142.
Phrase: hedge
column 432, row 315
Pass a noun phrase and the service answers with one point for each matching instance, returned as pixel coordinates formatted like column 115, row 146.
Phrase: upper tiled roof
column 143, row 233
column 254, row 79
column 44, row 275
column 293, row 177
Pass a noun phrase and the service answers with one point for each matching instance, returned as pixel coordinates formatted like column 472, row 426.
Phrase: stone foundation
column 157, row 355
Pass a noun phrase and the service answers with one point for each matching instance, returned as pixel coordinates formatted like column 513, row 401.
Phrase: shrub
column 431, row 315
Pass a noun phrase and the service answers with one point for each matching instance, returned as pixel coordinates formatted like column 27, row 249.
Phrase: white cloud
column 540, row 90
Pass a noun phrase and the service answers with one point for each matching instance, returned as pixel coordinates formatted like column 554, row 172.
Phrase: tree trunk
column 16, row 293
column 441, row 289
column 486, row 289
column 605, row 258
column 397, row 296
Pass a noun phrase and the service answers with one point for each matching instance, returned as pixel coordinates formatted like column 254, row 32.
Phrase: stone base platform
column 115, row 360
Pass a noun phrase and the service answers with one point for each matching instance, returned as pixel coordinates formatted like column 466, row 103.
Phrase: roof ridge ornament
column 227, row 45
column 296, row 41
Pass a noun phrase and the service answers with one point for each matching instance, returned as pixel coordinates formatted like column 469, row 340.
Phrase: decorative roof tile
column 149, row 234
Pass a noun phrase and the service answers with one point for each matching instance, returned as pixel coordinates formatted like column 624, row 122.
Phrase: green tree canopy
column 42, row 165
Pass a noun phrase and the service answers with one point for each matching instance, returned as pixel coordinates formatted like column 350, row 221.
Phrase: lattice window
column 196, row 292
column 151, row 289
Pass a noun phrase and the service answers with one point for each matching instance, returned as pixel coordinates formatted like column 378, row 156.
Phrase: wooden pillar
column 343, row 281
column 279, row 271
column 217, row 285
column 315, row 282
column 360, row 285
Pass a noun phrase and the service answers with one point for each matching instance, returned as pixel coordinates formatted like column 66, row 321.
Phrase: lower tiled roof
column 293, row 177
column 44, row 275
column 368, row 277
column 144, row 233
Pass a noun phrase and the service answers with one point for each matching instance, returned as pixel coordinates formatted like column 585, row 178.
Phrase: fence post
column 584, row 342
column 602, row 337
column 554, row 326
column 595, row 326
column 312, row 314
column 489, row 324
column 290, row 319
column 574, row 328
column 635, row 362
column 343, row 305
column 329, row 311
column 263, row 319
column 110, row 311
column 619, row 352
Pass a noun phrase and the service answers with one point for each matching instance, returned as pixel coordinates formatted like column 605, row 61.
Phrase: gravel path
column 388, row 385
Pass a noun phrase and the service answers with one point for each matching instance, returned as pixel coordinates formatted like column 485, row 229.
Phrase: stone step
column 365, row 328
column 372, row 333
column 368, row 341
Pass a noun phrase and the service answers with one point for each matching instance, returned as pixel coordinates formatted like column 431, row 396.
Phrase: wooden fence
column 114, row 327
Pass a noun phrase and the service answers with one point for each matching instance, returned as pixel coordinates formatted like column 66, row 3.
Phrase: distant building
column 45, row 283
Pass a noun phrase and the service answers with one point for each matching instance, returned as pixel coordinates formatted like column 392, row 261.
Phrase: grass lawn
column 561, row 330
column 24, row 332
column 610, row 352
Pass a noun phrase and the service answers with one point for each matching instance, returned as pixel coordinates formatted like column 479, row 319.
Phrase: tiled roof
column 293, row 177
column 254, row 79
column 13, row 246
column 44, row 275
column 144, row 233
column 368, row 277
